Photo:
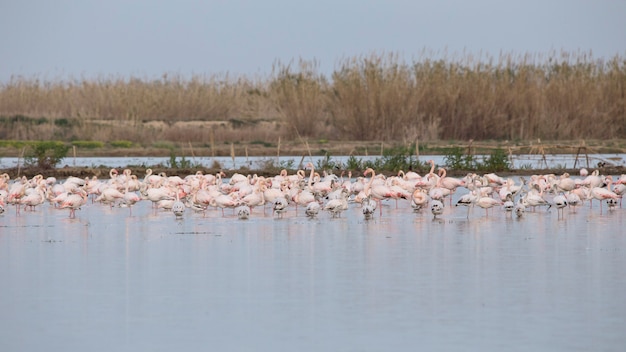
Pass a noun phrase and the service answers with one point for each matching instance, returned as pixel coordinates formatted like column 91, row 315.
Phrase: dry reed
column 555, row 96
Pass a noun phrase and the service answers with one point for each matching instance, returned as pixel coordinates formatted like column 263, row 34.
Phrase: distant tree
column 45, row 154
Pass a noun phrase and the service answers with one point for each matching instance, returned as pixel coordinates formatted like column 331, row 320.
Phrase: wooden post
column 74, row 150
column 193, row 155
column 19, row 163
column 211, row 140
column 417, row 148
column 543, row 156
column 580, row 149
column 278, row 152
column 308, row 149
column 300, row 166
column 469, row 147
column 232, row 154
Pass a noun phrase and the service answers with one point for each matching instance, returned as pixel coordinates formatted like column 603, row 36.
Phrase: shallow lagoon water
column 404, row 281
column 519, row 161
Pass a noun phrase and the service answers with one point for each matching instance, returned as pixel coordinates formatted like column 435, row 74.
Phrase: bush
column 455, row 159
column 327, row 163
column 12, row 144
column 46, row 154
column 496, row 161
column 88, row 144
column 121, row 144
column 353, row 163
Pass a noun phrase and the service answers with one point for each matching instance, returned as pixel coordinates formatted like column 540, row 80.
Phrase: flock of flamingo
column 312, row 194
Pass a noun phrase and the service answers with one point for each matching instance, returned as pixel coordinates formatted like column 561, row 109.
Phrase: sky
column 77, row 39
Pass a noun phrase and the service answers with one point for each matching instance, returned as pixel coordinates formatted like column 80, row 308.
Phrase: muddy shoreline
column 103, row 172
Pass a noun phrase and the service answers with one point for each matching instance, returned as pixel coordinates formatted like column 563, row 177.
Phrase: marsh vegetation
column 378, row 97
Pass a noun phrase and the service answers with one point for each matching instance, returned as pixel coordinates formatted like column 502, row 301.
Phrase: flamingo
column 312, row 209
column 508, row 205
column 130, row 197
column 560, row 202
column 155, row 194
column 534, row 198
column 34, row 198
column 110, row 195
column 601, row 194
column 225, row 201
column 449, row 183
column 573, row 199
column 378, row 191
column 619, row 188
column 436, row 208
column 16, row 192
column 76, row 199
column 419, row 199
column 520, row 208
column 368, row 207
column 487, row 203
column 280, row 206
column 337, row 206
column 243, row 212
column 467, row 200
column 256, row 198
column 178, row 208
column 564, row 183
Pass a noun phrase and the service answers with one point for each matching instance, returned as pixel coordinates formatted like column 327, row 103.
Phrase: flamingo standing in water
column 436, row 208
column 468, row 200
column 280, row 206
column 378, row 191
column 487, row 203
column 338, row 205
column 601, row 193
column 449, row 183
column 312, row 209
column 419, row 199
column 76, row 199
column 33, row 198
column 560, row 202
column 368, row 207
column 243, row 212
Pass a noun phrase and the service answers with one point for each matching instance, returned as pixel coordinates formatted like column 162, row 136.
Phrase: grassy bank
column 378, row 97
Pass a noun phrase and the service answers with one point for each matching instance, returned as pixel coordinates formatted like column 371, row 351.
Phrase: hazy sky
column 86, row 38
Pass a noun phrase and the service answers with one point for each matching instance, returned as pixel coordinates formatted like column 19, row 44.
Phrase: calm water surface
column 519, row 161
column 109, row 281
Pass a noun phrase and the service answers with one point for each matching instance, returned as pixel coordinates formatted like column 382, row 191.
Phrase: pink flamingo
column 74, row 201
column 601, row 194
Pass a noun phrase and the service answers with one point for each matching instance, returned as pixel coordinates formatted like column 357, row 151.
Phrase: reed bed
column 552, row 96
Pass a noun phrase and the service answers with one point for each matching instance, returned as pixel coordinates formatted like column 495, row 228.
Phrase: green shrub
column 13, row 144
column 353, row 163
column 326, row 163
column 455, row 159
column 64, row 122
column 496, row 161
column 45, row 154
column 121, row 144
column 88, row 144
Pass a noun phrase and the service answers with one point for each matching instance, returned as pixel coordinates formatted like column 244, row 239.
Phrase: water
column 109, row 281
column 255, row 163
